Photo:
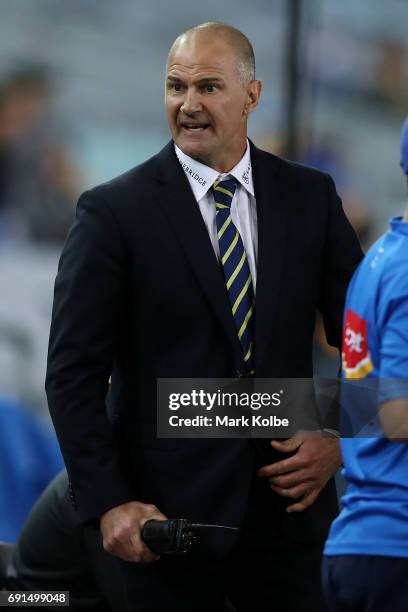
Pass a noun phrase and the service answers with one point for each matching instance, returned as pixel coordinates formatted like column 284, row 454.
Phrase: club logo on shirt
column 355, row 356
column 192, row 173
column 245, row 174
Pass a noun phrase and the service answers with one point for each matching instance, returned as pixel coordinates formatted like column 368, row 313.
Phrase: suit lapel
column 272, row 213
column 178, row 204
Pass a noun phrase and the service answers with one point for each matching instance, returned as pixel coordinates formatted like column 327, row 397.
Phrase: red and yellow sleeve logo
column 355, row 356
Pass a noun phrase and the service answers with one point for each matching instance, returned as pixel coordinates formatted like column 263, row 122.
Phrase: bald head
column 210, row 92
column 242, row 48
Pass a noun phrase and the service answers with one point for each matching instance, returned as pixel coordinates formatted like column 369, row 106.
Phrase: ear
column 253, row 94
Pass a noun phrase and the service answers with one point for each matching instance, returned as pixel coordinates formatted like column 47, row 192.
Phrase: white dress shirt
column 243, row 206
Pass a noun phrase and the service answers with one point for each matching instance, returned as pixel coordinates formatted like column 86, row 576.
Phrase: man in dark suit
column 143, row 292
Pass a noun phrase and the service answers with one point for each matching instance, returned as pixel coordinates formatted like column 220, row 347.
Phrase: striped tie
column 236, row 269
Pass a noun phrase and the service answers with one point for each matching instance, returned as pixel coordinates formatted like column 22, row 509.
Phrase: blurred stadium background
column 81, row 100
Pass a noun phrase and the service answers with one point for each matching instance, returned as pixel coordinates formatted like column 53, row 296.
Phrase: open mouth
column 195, row 127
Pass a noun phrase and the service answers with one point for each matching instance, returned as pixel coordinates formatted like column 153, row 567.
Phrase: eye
column 210, row 87
column 174, row 86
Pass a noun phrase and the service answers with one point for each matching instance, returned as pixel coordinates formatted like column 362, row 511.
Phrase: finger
column 127, row 544
column 287, row 446
column 150, row 511
column 280, row 467
column 292, row 479
column 293, row 492
column 122, row 548
column 304, row 503
column 148, row 556
column 142, row 553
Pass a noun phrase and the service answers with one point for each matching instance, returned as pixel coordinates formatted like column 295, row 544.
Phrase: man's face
column 207, row 106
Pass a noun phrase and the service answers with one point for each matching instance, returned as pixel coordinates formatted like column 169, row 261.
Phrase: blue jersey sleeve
column 393, row 310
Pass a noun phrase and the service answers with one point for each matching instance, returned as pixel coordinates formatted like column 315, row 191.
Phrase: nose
column 191, row 102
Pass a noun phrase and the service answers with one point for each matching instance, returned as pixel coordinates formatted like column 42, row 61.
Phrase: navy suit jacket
column 140, row 295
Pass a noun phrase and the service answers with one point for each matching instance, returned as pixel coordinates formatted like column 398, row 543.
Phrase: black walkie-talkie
column 175, row 536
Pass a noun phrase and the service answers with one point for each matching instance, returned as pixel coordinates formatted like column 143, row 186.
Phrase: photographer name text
column 226, row 421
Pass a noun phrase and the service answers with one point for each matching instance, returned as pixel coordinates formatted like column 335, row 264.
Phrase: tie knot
column 224, row 192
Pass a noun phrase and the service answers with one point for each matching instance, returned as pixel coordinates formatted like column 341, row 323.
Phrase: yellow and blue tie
column 236, row 270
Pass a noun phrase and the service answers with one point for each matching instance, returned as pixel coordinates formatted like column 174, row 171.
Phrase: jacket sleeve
column 342, row 254
column 89, row 300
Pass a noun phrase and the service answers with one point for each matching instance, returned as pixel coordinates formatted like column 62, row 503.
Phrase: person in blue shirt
column 54, row 554
column 365, row 567
column 29, row 459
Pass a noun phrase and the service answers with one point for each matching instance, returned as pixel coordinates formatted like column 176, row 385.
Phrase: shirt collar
column 399, row 226
column 202, row 177
column 242, row 172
